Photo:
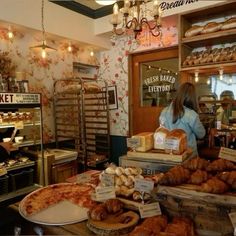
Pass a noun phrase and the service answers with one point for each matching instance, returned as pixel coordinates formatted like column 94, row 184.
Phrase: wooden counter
column 27, row 227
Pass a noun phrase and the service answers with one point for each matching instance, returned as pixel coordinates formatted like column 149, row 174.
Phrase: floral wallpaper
column 42, row 73
column 114, row 68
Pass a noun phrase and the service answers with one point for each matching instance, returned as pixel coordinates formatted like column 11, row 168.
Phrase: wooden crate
column 208, row 211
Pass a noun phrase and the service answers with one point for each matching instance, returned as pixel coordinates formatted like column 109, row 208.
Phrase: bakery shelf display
column 207, row 40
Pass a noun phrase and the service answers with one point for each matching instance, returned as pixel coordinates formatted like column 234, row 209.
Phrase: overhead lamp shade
column 105, row 2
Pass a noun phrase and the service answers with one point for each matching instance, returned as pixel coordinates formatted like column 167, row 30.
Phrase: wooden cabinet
column 61, row 172
column 196, row 46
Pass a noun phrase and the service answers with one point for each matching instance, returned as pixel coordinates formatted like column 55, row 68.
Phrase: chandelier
column 43, row 46
column 135, row 17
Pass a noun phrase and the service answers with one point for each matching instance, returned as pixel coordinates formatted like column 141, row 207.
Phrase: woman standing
column 182, row 113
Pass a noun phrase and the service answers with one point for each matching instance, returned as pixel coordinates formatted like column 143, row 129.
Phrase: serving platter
column 62, row 213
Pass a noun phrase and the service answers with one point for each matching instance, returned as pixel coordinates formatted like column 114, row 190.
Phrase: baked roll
column 114, row 205
column 214, row 185
column 193, row 31
column 229, row 24
column 211, row 27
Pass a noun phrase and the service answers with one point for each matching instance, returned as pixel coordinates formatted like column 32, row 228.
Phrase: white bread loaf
column 160, row 137
column 176, row 142
column 146, row 141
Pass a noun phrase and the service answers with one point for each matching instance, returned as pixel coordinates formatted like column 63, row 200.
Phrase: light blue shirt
column 190, row 123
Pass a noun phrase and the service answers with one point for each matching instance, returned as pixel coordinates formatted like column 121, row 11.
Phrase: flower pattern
column 42, row 73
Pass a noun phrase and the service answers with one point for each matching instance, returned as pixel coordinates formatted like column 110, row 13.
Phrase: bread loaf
column 176, row 142
column 146, row 141
column 98, row 213
column 193, row 31
column 229, row 24
column 160, row 138
column 211, row 27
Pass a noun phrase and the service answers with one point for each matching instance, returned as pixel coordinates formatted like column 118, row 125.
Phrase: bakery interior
column 82, row 86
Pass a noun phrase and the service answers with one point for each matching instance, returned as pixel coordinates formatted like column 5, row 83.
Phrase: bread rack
column 81, row 113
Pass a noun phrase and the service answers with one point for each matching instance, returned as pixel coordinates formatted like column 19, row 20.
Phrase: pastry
column 220, row 165
column 214, row 185
column 113, row 206
column 193, row 31
column 228, row 177
column 98, row 213
column 175, row 176
column 196, row 163
column 211, row 27
column 198, row 177
column 229, row 24
column 119, row 171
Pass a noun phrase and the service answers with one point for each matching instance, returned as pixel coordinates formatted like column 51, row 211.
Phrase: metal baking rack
column 81, row 115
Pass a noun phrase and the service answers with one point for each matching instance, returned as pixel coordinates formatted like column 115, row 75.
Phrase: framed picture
column 112, row 92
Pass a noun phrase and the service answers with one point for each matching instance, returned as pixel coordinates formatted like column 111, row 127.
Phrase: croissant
column 98, row 213
column 175, row 176
column 198, row 177
column 141, row 231
column 196, row 163
column 113, row 205
column 177, row 229
column 220, row 165
column 228, row 177
column 214, row 185
column 160, row 221
column 187, row 222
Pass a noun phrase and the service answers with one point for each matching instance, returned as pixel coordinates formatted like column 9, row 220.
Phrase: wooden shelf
column 211, row 69
column 226, row 36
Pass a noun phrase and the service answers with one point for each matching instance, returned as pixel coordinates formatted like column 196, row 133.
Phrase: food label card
column 227, row 154
column 107, row 179
column 149, row 210
column 172, row 144
column 143, row 185
column 83, row 178
column 133, row 142
column 104, row 193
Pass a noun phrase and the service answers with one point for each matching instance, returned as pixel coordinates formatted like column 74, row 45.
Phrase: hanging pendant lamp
column 43, row 46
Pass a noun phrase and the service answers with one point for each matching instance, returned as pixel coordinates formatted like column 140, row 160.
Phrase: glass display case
column 21, row 123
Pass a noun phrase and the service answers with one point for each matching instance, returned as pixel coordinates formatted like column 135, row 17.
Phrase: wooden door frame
column 134, row 61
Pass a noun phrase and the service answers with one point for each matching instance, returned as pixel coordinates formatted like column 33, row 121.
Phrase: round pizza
column 45, row 197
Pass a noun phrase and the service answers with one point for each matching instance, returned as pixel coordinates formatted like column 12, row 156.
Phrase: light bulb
column 43, row 53
column 10, row 33
column 115, row 9
column 91, row 53
column 208, row 81
column 196, row 78
column 105, row 2
column 69, row 48
column 221, row 72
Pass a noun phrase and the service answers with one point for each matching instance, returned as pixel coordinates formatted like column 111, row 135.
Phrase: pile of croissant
column 158, row 226
column 209, row 56
column 218, row 176
column 102, row 210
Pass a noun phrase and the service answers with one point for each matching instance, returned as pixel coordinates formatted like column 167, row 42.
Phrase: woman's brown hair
column 185, row 96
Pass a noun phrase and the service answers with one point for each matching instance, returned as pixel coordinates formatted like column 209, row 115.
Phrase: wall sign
column 166, row 5
column 19, row 98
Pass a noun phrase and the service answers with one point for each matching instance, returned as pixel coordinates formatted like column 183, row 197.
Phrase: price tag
column 83, row 178
column 19, row 125
column 104, row 193
column 107, row 179
column 150, row 210
column 172, row 144
column 227, row 154
column 143, row 185
column 133, row 142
